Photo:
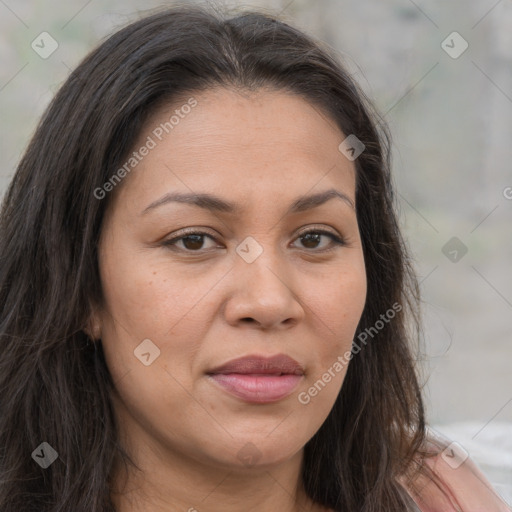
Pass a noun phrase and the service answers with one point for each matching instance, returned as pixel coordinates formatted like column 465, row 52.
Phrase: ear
column 93, row 327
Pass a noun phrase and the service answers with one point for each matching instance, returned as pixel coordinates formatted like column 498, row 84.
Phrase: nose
column 264, row 293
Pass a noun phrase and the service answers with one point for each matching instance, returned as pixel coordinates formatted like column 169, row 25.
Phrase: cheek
column 338, row 307
column 146, row 295
column 339, row 301
column 149, row 298
column 137, row 292
column 150, row 337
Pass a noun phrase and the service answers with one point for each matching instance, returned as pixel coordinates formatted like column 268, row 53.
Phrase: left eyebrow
column 217, row 204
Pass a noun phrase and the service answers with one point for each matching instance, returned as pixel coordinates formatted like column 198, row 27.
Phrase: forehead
column 243, row 145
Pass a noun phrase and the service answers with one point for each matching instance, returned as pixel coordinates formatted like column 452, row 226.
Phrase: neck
column 184, row 486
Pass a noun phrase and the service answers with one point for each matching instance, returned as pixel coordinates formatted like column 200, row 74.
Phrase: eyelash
column 336, row 240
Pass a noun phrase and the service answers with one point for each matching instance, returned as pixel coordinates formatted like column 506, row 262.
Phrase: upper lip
column 256, row 364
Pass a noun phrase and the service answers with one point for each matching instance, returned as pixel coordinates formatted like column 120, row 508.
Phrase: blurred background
column 441, row 75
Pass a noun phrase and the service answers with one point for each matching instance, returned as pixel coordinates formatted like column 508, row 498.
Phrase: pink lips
column 259, row 379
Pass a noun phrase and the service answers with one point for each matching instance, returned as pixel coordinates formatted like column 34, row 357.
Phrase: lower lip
column 258, row 388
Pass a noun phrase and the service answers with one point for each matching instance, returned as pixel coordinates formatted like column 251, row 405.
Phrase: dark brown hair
column 55, row 385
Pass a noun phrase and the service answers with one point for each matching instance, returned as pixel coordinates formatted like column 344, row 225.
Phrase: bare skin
column 202, row 304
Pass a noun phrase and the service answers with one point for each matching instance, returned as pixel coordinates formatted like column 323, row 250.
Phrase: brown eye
column 191, row 241
column 312, row 239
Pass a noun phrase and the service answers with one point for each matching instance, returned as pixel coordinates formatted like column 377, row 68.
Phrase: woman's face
column 250, row 284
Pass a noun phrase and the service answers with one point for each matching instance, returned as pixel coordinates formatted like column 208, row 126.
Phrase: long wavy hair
column 54, row 383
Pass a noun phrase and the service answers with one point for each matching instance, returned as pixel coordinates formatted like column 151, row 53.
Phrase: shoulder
column 450, row 481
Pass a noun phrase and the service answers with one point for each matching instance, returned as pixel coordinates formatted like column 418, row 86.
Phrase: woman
column 207, row 304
